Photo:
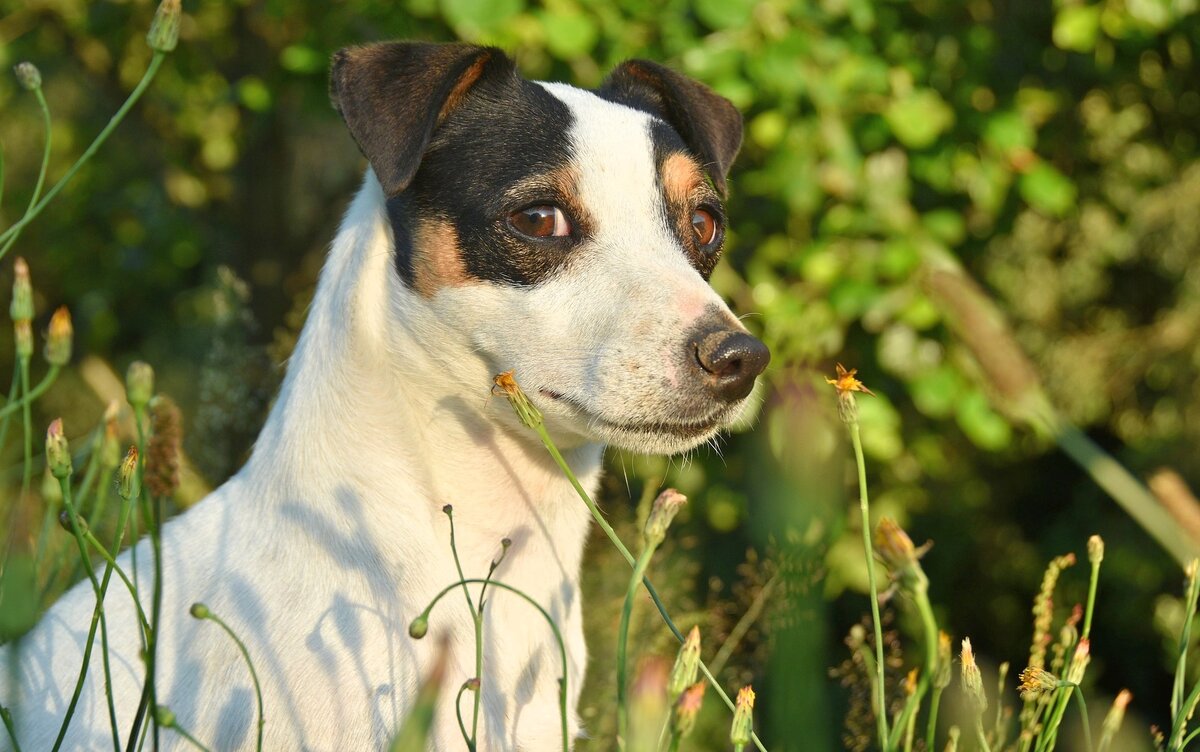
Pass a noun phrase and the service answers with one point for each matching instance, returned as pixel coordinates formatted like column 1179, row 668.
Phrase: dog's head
column 565, row 234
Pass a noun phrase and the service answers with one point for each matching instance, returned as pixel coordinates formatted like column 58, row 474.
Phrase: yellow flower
column 846, row 382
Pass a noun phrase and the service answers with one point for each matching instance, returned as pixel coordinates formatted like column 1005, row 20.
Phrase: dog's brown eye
column 705, row 226
column 542, row 221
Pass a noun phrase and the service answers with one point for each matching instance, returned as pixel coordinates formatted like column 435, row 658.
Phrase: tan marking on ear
column 463, row 85
column 680, row 178
column 437, row 257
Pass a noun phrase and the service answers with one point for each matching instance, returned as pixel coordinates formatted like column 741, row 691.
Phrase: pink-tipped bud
column 58, row 452
column 743, row 717
column 665, row 507
column 58, row 340
column 687, row 707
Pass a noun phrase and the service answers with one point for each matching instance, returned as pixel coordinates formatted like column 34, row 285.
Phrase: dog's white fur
column 331, row 539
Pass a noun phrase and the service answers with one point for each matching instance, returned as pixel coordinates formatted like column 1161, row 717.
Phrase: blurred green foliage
column 1049, row 147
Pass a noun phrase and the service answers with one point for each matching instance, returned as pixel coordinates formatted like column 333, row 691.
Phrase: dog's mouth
column 689, row 429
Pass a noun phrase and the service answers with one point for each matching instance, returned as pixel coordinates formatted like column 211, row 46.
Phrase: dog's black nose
column 731, row 360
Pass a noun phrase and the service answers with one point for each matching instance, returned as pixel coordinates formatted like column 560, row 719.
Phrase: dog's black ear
column 708, row 122
column 393, row 95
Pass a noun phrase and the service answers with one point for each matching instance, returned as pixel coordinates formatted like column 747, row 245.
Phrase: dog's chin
column 644, row 436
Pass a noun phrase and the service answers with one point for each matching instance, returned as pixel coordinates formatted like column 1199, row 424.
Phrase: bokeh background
column 1050, row 147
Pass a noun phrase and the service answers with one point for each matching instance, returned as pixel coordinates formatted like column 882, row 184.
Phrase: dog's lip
column 684, row 429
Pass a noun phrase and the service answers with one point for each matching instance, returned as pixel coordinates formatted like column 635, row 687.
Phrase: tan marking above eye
column 680, row 176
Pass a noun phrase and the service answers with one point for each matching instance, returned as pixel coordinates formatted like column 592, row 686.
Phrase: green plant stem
column 253, row 674
column 6, row 716
column 562, row 647
column 635, row 583
column 980, row 736
column 477, row 619
column 1123, row 487
column 151, row 70
column 935, row 700
column 675, row 740
column 1087, row 726
column 616, row 541
column 97, row 615
column 29, row 396
column 865, row 512
column 104, row 554
column 13, row 390
column 193, row 740
column 156, row 504
column 1185, row 636
column 41, row 178
column 738, row 633
column 458, row 714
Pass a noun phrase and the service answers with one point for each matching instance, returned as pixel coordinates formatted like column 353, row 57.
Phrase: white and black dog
column 566, row 235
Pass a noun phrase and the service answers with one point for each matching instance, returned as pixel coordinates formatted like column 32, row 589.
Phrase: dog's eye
column 705, row 226
column 542, row 221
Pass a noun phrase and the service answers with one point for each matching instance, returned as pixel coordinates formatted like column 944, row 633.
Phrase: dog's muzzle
column 725, row 360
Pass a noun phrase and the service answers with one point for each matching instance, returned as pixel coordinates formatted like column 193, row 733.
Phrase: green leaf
column 983, row 426
column 919, row 118
column 1008, row 130
column 569, row 35
column 1048, row 190
column 472, row 17
column 1076, row 27
column 298, row 58
column 725, row 14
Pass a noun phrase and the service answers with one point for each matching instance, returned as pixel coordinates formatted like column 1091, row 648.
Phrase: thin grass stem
column 458, row 714
column 41, row 178
column 1087, row 726
column 635, row 582
column 241, row 646
column 6, row 714
column 864, row 511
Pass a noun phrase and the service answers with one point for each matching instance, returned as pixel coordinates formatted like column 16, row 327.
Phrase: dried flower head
column 164, row 29
column 743, row 717
column 1035, row 682
column 163, row 448
column 666, row 506
column 58, row 340
column 846, row 385
column 525, row 410
column 58, row 452
column 687, row 707
column 687, row 665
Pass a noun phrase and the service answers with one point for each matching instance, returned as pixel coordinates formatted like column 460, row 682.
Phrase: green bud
column 743, row 717
column 21, row 308
column 139, row 384
column 665, row 507
column 164, row 29
column 419, row 627
column 945, row 662
column 51, row 488
column 687, row 665
column 23, row 338
column 28, row 76
column 127, row 476
column 164, row 716
column 199, row 611
column 972, row 679
column 58, row 340
column 58, row 451
column 64, row 521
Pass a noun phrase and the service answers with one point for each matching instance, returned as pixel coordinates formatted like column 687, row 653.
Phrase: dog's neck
column 370, row 405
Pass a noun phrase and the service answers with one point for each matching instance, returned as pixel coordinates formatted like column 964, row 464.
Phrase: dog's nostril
column 733, row 359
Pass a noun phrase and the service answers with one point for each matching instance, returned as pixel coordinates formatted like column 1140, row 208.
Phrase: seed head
column 28, row 76
column 139, row 384
column 665, row 507
column 419, row 627
column 971, row 678
column 199, row 611
column 743, row 717
column 164, row 29
column 1095, row 550
column 58, row 340
column 687, row 707
column 525, row 410
column 58, row 452
column 163, row 449
column 687, row 665
column 21, row 308
column 127, row 476
column 1035, row 682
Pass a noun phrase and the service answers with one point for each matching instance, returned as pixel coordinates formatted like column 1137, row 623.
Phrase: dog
column 562, row 234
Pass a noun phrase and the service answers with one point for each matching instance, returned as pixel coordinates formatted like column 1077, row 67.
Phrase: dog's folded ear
column 393, row 95
column 708, row 123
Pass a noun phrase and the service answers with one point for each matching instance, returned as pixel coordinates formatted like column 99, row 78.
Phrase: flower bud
column 51, row 489
column 687, row 707
column 945, row 662
column 164, row 716
column 28, row 76
column 58, row 340
column 971, row 677
column 164, row 29
column 687, row 665
column 472, row 684
column 525, row 410
column 21, row 308
column 127, row 476
column 419, row 627
column 1095, row 548
column 1035, row 682
column 139, row 384
column 58, row 452
column 665, row 507
column 64, row 521
column 23, row 338
column 1079, row 662
column 199, row 611
column 743, row 717
column 1114, row 719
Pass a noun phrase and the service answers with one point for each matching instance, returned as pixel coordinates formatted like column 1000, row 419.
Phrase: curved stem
column 1087, row 727
column 639, row 570
column 865, row 512
column 104, row 554
column 253, row 674
column 28, row 396
column 562, row 647
column 134, row 96
column 183, row 732
column 6, row 716
column 470, row 742
column 41, row 178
